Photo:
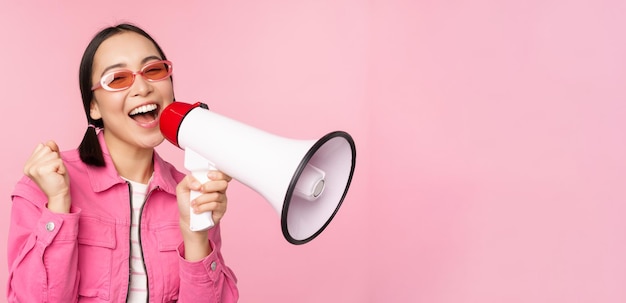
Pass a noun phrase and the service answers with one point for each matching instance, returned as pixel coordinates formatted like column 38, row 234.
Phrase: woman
column 109, row 222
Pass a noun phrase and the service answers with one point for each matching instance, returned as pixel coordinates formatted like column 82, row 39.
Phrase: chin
column 155, row 141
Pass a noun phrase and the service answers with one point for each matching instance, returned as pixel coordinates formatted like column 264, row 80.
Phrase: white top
column 138, row 291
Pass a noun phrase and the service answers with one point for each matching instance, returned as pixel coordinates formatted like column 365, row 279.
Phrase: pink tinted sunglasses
column 123, row 79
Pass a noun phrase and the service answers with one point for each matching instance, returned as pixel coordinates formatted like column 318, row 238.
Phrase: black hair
column 89, row 149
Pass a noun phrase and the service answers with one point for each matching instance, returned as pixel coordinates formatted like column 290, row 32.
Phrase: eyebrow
column 143, row 62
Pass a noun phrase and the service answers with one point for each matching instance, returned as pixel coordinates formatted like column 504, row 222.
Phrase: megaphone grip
column 199, row 168
column 202, row 221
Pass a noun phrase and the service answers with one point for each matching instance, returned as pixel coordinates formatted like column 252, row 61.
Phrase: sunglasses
column 123, row 79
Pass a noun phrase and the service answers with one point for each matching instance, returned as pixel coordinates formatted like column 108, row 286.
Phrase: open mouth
column 145, row 113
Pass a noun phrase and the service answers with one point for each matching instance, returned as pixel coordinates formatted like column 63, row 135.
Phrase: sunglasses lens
column 123, row 79
column 156, row 71
column 118, row 80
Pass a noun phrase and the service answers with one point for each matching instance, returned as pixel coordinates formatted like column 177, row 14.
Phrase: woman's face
column 130, row 116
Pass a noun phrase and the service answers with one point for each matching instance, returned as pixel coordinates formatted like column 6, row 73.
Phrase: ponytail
column 89, row 149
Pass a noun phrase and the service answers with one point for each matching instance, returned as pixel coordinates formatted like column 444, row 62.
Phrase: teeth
column 143, row 109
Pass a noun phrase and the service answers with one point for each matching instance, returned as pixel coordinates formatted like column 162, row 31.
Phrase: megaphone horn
column 305, row 181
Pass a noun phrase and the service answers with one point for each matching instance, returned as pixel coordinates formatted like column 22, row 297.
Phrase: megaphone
column 305, row 181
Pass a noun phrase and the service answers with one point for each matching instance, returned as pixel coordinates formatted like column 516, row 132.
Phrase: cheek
column 112, row 103
column 167, row 91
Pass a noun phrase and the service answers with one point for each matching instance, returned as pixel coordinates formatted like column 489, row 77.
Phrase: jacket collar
column 103, row 178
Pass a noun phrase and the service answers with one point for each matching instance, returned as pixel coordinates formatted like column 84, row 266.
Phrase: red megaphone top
column 171, row 118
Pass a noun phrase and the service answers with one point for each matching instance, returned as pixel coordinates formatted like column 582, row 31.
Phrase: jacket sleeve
column 209, row 278
column 42, row 249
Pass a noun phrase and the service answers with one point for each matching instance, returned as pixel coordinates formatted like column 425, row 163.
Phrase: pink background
column 490, row 135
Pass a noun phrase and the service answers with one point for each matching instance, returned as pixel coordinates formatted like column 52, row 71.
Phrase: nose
column 141, row 86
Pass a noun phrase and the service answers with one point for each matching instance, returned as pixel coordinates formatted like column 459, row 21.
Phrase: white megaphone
column 304, row 180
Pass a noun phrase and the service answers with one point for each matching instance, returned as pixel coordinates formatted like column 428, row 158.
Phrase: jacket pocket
column 96, row 242
column 168, row 239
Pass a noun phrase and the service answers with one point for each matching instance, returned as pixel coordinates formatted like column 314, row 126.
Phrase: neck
column 132, row 162
column 137, row 167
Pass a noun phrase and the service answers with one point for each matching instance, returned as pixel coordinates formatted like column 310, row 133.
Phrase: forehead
column 127, row 48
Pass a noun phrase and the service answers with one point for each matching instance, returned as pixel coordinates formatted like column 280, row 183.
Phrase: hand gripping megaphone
column 305, row 181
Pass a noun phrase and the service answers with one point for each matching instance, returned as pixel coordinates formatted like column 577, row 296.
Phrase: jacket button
column 213, row 266
column 50, row 226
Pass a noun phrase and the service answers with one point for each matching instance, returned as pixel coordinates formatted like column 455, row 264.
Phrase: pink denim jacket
column 84, row 256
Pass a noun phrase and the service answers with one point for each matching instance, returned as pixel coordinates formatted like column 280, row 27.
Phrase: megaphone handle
column 202, row 221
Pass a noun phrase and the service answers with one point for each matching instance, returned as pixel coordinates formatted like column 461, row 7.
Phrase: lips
column 146, row 113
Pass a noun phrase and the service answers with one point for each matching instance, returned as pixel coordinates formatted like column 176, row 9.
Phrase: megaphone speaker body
column 305, row 181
